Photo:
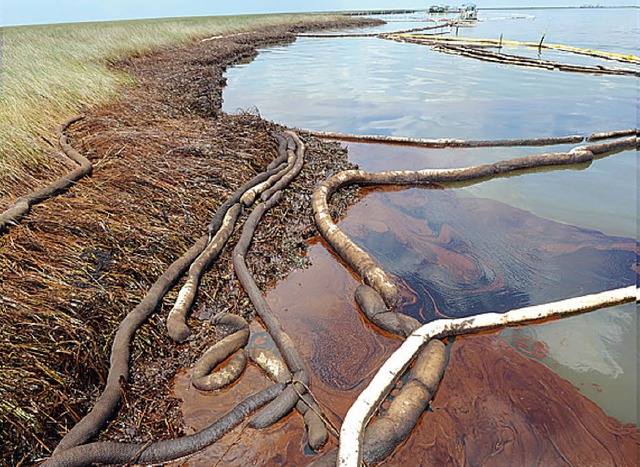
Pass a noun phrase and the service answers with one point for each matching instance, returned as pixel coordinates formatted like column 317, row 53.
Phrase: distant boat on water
column 469, row 12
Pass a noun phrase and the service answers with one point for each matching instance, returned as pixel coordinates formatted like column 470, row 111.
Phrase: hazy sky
column 61, row 11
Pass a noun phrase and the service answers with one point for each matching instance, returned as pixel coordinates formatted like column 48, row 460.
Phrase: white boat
column 469, row 12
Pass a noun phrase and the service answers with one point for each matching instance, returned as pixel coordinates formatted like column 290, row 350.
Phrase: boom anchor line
column 378, row 296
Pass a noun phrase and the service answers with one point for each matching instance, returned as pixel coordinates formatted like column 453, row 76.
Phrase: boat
column 469, row 12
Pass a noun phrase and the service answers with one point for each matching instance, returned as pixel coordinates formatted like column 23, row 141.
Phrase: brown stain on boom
column 421, row 234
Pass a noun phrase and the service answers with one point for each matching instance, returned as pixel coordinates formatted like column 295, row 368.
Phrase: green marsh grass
column 51, row 71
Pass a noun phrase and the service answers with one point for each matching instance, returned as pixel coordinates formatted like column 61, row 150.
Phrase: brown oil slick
column 455, row 256
column 451, row 256
column 487, row 413
column 317, row 309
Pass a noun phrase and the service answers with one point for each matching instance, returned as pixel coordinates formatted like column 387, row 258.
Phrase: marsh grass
column 50, row 72
column 71, row 272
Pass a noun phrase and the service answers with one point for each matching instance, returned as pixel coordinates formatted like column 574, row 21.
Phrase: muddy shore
column 165, row 158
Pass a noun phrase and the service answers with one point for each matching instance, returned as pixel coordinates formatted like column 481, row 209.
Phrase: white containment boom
column 351, row 434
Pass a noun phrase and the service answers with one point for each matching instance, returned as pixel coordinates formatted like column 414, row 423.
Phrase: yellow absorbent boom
column 566, row 48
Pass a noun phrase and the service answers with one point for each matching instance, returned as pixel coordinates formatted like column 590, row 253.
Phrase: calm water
column 373, row 86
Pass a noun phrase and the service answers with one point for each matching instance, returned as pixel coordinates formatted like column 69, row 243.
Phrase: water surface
column 500, row 244
column 361, row 85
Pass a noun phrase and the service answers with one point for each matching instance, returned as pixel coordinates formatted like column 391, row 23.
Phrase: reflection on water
column 458, row 256
column 596, row 352
column 580, row 197
column 369, row 85
column 500, row 244
column 438, row 242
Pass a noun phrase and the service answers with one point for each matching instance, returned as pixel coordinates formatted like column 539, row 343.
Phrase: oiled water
column 493, row 246
column 374, row 86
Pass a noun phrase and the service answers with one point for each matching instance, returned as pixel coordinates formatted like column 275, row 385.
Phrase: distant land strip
column 404, row 12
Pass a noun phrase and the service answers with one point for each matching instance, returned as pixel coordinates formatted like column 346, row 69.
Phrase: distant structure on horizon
column 468, row 11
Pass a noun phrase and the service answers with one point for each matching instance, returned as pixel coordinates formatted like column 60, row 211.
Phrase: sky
column 15, row 12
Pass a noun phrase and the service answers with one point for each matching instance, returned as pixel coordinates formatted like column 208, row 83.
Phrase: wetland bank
column 481, row 258
column 165, row 157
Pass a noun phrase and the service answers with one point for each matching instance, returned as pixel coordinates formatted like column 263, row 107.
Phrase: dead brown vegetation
column 164, row 158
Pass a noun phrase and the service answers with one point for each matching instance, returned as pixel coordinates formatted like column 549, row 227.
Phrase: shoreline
column 72, row 69
column 165, row 158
